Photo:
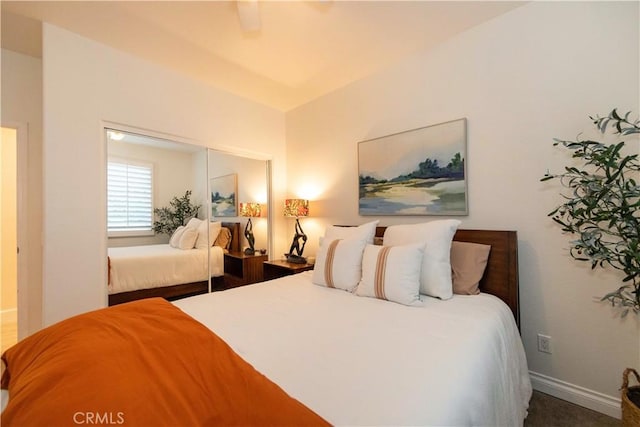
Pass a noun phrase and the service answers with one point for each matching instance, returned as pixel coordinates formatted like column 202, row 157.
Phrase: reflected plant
column 176, row 214
column 602, row 207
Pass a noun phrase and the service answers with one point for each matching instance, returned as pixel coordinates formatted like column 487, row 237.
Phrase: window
column 129, row 198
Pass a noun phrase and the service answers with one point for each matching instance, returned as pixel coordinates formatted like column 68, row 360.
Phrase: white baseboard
column 590, row 399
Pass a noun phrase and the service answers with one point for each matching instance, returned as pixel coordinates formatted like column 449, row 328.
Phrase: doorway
column 9, row 236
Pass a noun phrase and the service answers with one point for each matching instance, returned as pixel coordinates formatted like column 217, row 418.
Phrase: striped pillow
column 339, row 263
column 392, row 273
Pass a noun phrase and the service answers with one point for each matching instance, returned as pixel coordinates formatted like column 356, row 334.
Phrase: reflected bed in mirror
column 163, row 271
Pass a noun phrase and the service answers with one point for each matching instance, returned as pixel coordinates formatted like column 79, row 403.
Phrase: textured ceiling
column 301, row 51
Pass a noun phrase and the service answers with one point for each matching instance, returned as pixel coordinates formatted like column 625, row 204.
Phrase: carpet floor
column 548, row 411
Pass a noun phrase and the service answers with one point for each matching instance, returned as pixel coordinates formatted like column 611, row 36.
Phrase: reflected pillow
column 194, row 223
column 224, row 238
column 468, row 262
column 204, row 240
column 435, row 278
column 175, row 237
column 339, row 263
column 364, row 232
column 392, row 273
column 188, row 238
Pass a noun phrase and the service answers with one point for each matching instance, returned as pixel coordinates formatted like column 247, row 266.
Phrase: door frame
column 22, row 163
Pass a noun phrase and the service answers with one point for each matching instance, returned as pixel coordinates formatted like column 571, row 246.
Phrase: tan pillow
column 468, row 261
column 224, row 238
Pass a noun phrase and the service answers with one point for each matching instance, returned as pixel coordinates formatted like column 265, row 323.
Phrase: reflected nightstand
column 241, row 269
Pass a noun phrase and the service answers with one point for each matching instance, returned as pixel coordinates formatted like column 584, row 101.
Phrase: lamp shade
column 251, row 209
column 296, row 207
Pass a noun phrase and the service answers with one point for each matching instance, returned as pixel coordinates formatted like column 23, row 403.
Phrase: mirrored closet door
column 158, row 227
column 239, row 189
column 182, row 219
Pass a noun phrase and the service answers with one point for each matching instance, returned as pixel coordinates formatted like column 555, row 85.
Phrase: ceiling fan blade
column 249, row 15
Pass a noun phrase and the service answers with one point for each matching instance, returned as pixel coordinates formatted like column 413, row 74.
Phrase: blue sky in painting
column 393, row 155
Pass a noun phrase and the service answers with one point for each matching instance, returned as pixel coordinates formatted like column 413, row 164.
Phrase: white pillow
column 188, row 238
column 203, row 241
column 362, row 232
column 435, row 278
column 175, row 237
column 339, row 263
column 392, row 273
column 194, row 223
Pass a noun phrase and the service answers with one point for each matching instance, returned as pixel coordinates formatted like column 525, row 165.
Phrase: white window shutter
column 129, row 196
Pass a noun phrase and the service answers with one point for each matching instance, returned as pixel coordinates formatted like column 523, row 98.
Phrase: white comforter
column 361, row 361
column 154, row 266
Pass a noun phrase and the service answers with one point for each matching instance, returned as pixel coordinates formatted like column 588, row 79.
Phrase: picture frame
column 224, row 202
column 416, row 172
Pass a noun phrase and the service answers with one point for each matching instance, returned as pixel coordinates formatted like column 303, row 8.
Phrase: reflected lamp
column 296, row 208
column 250, row 210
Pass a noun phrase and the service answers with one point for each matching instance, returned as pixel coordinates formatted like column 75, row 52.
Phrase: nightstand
column 275, row 269
column 241, row 269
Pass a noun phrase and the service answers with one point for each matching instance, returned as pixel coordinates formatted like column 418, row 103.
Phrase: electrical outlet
column 544, row 343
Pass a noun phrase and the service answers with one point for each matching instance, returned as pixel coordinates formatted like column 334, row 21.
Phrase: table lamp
column 297, row 208
column 250, row 210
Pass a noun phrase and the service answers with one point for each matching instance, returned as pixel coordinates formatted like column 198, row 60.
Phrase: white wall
column 86, row 83
column 173, row 174
column 521, row 79
column 22, row 106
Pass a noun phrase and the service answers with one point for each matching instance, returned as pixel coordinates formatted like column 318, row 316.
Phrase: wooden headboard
column 236, row 236
column 501, row 275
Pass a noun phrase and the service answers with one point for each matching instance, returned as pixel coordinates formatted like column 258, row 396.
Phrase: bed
column 139, row 272
column 317, row 355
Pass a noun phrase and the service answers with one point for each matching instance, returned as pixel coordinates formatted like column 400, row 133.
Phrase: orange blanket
column 145, row 363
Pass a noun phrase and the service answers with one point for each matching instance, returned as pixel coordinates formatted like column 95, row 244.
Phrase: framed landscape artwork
column 223, row 195
column 417, row 172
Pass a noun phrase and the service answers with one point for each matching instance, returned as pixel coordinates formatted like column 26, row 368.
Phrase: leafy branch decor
column 171, row 217
column 603, row 207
